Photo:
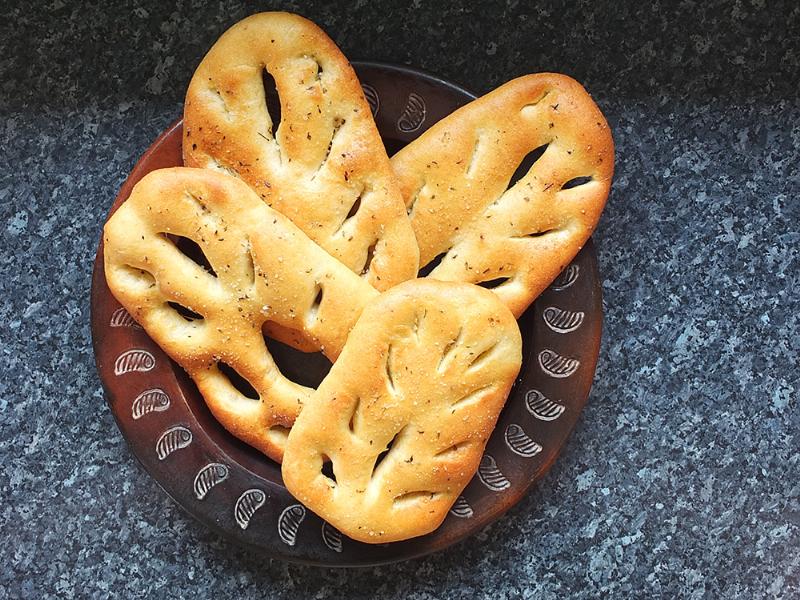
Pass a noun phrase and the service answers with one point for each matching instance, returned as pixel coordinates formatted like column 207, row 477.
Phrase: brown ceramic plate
column 239, row 492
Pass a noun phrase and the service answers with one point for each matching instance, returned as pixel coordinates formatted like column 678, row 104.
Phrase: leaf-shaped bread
column 324, row 165
column 467, row 213
column 425, row 372
column 249, row 266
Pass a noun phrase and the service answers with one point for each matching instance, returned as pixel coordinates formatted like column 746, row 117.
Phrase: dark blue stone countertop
column 682, row 477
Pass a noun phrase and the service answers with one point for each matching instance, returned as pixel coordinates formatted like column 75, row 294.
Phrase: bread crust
column 265, row 270
column 325, row 167
column 455, row 179
column 428, row 366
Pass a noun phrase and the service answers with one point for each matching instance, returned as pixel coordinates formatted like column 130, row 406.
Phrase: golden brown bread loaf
column 324, row 166
column 261, row 269
column 455, row 181
column 426, row 369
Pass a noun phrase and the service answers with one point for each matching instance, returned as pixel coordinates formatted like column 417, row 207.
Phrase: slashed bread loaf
column 425, row 373
column 468, row 215
column 202, row 264
column 323, row 164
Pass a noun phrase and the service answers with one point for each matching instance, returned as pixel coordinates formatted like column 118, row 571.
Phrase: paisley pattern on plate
column 556, row 365
column 154, row 400
column 413, row 114
column 247, row 505
column 289, row 523
column 374, row 101
column 134, row 360
column 490, row 475
column 566, row 279
column 331, row 537
column 562, row 321
column 122, row 318
column 520, row 443
column 209, row 476
column 174, row 438
column 461, row 508
column 541, row 407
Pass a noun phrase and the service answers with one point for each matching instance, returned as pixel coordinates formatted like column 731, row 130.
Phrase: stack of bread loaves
column 311, row 235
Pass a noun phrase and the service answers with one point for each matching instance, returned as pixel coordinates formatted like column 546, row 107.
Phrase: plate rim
column 489, row 517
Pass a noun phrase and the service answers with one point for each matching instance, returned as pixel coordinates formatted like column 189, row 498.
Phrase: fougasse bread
column 425, row 373
column 324, row 165
column 515, row 238
column 206, row 309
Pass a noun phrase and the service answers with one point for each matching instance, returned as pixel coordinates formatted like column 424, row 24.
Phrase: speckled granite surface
column 682, row 478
